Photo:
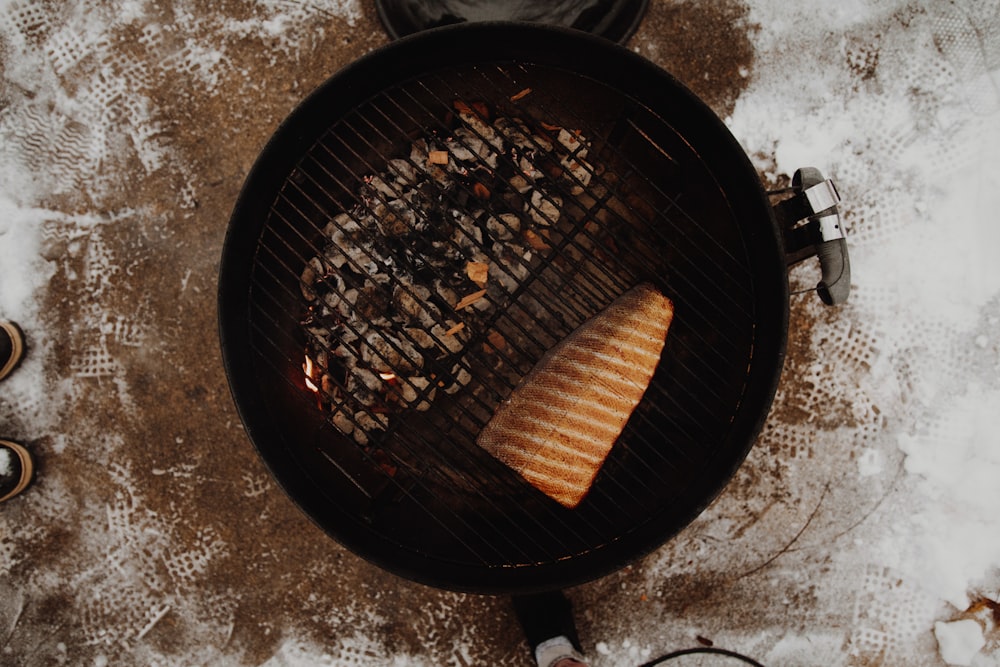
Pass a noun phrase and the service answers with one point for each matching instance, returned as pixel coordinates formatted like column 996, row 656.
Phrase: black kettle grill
column 675, row 202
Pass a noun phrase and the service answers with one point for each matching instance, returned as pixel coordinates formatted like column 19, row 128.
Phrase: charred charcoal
column 430, row 250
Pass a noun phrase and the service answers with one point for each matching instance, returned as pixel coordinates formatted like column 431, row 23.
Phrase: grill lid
column 612, row 19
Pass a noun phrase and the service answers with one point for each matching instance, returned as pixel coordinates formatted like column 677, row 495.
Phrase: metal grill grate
column 652, row 213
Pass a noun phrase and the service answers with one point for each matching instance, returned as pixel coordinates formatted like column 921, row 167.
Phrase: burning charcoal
column 381, row 186
column 332, row 298
column 476, row 145
column 481, row 128
column 420, row 337
column 347, row 354
column 343, row 223
column 451, row 342
column 504, row 226
column 447, row 294
column 420, row 387
column 360, row 385
column 544, row 210
column 467, row 234
column 528, row 170
column 571, row 141
column 312, row 271
column 407, row 391
column 358, row 257
column 517, row 134
column 348, row 335
column 580, row 173
column 404, row 172
column 462, row 378
column 320, row 335
column 412, row 303
column 373, row 301
column 371, row 421
column 366, row 422
column 519, row 183
column 329, row 386
column 459, row 151
column 414, row 249
column 385, row 351
column 342, row 420
column 346, row 305
column 397, row 219
column 419, row 154
column 512, row 266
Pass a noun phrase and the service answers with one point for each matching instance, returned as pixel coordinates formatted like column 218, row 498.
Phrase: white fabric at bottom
column 551, row 651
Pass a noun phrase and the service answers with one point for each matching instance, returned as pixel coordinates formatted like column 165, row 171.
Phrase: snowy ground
column 862, row 530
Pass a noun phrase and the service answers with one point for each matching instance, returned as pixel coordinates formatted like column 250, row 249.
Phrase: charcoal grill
column 670, row 199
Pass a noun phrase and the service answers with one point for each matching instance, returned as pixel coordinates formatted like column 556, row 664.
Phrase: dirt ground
column 154, row 535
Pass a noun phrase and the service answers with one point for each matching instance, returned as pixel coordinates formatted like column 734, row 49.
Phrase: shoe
column 545, row 617
column 16, row 469
column 11, row 347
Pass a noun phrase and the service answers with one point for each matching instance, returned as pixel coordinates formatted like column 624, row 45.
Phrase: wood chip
column 478, row 108
column 478, row 272
column 437, row 157
column 495, row 342
column 481, row 191
column 470, row 299
column 523, row 93
column 536, row 241
column 455, row 329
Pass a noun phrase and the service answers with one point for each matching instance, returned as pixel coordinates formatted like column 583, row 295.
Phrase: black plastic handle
column 835, row 264
column 812, row 227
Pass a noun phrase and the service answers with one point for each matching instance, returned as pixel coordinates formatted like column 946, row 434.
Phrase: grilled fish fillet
column 558, row 425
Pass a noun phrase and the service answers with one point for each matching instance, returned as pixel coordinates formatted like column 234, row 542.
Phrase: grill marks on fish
column 559, row 424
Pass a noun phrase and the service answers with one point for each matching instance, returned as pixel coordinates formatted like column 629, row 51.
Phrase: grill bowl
column 701, row 229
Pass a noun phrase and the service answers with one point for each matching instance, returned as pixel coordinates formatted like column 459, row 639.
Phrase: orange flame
column 307, row 367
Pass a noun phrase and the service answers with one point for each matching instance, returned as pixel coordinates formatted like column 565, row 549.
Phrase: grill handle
column 812, row 228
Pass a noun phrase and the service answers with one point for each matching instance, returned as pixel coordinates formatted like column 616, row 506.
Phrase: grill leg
column 547, row 622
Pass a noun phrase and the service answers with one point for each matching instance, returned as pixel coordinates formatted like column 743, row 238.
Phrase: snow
column 921, row 183
column 959, row 641
column 6, row 462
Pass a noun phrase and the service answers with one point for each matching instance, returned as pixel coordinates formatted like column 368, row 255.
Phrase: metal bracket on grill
column 812, row 227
